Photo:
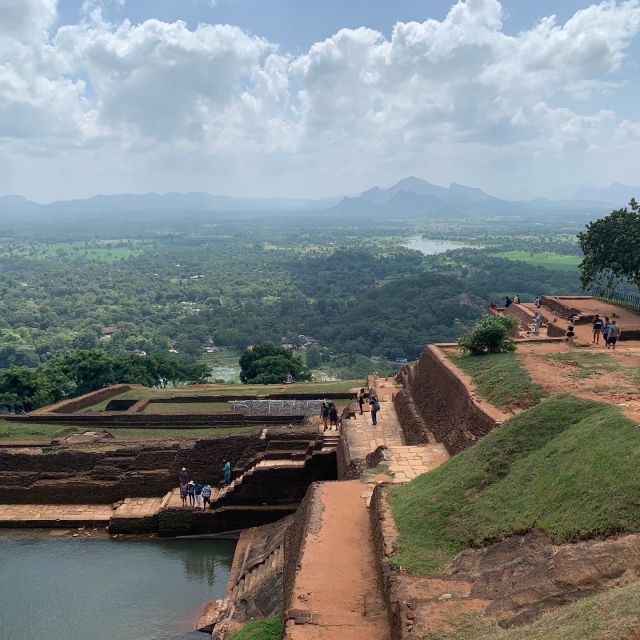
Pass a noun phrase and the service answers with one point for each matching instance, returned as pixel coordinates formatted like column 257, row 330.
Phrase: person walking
column 614, row 334
column 597, row 329
column 605, row 330
column 227, row 472
column 361, row 400
column 333, row 416
column 183, row 476
column 191, row 490
column 375, row 407
column 197, row 491
column 206, row 496
column 324, row 413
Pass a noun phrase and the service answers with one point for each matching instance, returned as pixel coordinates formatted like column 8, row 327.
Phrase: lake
column 432, row 247
column 79, row 589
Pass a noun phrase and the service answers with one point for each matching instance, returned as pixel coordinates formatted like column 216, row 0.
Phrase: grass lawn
column 187, row 407
column 501, row 379
column 546, row 259
column 610, row 615
column 567, row 467
column 240, row 389
column 270, row 629
column 32, row 431
column 186, row 432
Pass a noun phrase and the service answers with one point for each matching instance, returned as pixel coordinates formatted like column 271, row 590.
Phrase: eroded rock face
column 526, row 575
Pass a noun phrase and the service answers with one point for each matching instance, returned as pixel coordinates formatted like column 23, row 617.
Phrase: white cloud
column 353, row 107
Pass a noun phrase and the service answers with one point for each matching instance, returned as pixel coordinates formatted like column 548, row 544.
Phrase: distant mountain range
column 410, row 197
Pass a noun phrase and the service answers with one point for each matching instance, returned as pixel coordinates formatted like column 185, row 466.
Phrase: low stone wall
column 389, row 574
column 276, row 407
column 82, row 402
column 445, row 404
column 348, row 468
column 523, row 315
column 561, row 306
column 413, row 426
column 293, row 544
column 155, row 420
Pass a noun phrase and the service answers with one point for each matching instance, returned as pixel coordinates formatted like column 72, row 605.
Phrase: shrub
column 489, row 335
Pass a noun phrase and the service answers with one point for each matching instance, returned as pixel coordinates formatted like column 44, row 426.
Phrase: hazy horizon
column 316, row 100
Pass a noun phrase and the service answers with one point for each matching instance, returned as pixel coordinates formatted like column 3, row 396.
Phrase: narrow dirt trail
column 336, row 582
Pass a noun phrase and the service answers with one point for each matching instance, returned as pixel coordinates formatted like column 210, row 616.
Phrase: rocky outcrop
column 524, row 576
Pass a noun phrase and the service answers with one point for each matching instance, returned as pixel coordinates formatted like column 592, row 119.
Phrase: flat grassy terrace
column 34, row 431
column 610, row 615
column 501, row 379
column 240, row 389
column 567, row 467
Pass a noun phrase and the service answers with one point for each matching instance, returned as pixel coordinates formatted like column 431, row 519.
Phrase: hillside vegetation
column 567, row 467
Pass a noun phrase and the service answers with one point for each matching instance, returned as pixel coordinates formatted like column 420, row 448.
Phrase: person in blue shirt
column 227, row 472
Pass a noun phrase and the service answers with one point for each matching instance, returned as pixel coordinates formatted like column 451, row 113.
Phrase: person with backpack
column 206, row 496
column 375, row 407
column 597, row 329
column 614, row 334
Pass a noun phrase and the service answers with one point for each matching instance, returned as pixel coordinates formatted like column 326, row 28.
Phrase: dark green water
column 73, row 589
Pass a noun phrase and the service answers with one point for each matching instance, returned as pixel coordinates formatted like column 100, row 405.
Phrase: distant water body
column 71, row 589
column 432, row 247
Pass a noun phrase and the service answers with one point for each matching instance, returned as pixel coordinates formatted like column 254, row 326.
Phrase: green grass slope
column 567, row 467
column 501, row 379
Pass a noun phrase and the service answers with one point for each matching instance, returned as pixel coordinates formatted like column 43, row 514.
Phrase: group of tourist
column 608, row 328
column 329, row 415
column 193, row 492
column 374, row 405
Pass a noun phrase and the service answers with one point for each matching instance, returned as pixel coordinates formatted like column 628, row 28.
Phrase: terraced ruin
column 495, row 498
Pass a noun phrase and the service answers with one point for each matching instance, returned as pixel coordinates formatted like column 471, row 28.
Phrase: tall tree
column 270, row 364
column 611, row 248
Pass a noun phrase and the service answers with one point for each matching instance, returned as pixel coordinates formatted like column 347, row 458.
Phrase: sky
column 264, row 98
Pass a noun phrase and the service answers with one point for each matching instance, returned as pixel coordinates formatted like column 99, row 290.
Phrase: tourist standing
column 227, row 472
column 183, row 476
column 375, row 407
column 570, row 333
column 184, row 490
column 333, row 416
column 614, row 334
column 324, row 413
column 197, row 491
column 206, row 496
column 361, row 400
column 538, row 302
column 537, row 321
column 191, row 491
column 597, row 329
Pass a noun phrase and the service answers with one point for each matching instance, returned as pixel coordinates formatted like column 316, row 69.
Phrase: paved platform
column 54, row 515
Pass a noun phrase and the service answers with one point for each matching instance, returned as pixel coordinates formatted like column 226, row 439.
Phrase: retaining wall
column 444, row 404
column 102, row 477
column 82, row 402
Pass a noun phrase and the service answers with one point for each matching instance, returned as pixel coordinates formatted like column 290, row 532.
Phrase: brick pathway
column 138, row 508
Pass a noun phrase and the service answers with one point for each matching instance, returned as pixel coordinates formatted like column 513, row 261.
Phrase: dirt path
column 336, row 581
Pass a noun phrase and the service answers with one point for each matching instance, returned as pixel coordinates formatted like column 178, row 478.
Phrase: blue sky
column 122, row 97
